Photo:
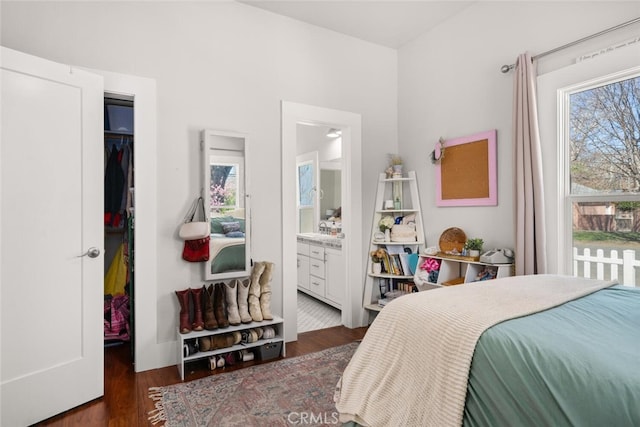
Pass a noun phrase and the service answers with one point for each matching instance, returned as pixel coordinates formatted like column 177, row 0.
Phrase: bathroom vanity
column 321, row 268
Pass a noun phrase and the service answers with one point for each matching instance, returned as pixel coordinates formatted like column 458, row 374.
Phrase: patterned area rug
column 286, row 392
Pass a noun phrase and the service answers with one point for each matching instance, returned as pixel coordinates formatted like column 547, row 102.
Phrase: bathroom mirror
column 225, row 193
column 318, row 178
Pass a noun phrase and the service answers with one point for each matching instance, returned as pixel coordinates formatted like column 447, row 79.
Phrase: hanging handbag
column 196, row 234
column 196, row 250
column 194, row 230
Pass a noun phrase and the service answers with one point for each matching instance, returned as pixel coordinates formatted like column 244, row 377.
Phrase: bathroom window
column 307, row 192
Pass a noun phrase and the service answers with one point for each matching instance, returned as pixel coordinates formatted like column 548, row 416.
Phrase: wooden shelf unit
column 406, row 188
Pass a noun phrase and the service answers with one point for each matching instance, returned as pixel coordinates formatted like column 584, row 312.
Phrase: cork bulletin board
column 467, row 174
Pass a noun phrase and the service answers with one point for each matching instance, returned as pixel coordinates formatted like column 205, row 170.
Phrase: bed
column 227, row 245
column 541, row 350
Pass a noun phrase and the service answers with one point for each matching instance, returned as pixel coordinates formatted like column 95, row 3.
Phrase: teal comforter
column 575, row 365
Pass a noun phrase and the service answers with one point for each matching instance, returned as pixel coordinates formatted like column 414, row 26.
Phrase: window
column 307, row 200
column 225, row 185
column 602, row 198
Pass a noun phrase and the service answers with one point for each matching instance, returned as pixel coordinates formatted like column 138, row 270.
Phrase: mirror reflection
column 319, row 181
column 225, row 195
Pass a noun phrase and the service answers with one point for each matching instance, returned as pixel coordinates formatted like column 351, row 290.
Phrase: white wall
column 219, row 65
column 450, row 85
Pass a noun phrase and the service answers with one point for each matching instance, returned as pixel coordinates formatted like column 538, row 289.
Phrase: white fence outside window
column 594, row 266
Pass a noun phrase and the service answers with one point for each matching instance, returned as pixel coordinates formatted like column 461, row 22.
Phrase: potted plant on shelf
column 385, row 224
column 474, row 246
column 376, row 259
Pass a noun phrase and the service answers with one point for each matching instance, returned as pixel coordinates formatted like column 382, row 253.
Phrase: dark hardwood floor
column 126, row 402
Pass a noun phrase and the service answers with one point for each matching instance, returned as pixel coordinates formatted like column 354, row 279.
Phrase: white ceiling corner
column 387, row 23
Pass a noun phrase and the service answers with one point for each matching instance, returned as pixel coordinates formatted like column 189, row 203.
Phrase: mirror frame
column 226, row 144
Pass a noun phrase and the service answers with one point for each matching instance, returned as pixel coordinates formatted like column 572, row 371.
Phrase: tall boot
column 231, row 294
column 265, row 291
column 198, row 323
column 254, row 292
column 219, row 308
column 183, row 299
column 207, row 307
column 243, row 301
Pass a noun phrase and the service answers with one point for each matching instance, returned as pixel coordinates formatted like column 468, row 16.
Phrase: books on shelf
column 400, row 289
column 390, row 288
column 396, row 259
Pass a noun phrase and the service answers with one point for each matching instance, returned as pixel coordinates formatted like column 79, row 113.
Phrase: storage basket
column 270, row 350
column 452, row 239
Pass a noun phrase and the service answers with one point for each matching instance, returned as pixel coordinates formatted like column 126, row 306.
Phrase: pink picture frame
column 467, row 173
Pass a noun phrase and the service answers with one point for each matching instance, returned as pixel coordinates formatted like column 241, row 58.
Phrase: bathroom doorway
column 321, row 283
column 293, row 114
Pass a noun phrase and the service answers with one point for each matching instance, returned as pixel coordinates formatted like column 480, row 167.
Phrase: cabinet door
column 334, row 271
column 303, row 271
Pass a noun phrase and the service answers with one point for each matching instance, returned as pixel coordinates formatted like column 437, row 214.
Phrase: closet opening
column 119, row 283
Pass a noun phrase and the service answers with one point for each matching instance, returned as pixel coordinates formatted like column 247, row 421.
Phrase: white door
column 51, row 180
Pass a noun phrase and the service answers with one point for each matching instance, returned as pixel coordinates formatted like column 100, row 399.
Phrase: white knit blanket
column 412, row 367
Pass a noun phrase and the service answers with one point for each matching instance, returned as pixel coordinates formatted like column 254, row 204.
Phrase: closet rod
column 506, row 68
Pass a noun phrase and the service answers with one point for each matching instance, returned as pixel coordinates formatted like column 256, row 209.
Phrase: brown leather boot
column 183, row 299
column 207, row 307
column 219, row 306
column 198, row 323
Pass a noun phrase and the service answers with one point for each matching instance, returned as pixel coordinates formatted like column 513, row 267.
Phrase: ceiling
column 387, row 23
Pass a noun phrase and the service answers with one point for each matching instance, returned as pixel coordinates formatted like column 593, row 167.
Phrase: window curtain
column 529, row 192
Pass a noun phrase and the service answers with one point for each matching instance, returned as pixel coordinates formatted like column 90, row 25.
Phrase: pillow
column 235, row 234
column 216, row 223
column 228, row 227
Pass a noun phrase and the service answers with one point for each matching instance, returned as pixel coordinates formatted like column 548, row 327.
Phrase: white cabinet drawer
column 303, row 248
column 316, row 252
column 316, row 285
column 316, row 267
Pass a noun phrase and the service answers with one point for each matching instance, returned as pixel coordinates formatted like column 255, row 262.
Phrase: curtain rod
column 506, row 68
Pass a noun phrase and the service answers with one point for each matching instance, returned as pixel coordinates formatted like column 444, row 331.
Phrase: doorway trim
column 350, row 124
column 149, row 354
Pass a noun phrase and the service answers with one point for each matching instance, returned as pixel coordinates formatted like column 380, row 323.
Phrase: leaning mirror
column 225, row 191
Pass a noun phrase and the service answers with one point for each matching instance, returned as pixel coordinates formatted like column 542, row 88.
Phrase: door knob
column 92, row 253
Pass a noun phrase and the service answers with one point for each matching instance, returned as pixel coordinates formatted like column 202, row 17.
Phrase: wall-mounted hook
column 436, row 157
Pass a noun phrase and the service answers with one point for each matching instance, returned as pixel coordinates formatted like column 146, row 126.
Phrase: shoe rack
column 192, row 337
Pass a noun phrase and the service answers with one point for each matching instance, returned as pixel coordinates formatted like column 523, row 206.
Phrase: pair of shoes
column 251, row 335
column 190, row 347
column 269, row 332
column 245, row 355
column 210, row 322
column 188, row 298
column 217, row 294
column 259, row 297
column 216, row 362
column 208, row 306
